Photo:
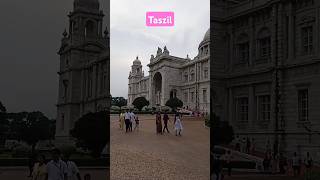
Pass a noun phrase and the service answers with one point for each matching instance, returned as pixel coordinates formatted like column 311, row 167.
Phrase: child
column 177, row 124
column 137, row 123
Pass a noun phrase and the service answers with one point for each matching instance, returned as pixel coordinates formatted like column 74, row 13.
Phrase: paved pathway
column 147, row 156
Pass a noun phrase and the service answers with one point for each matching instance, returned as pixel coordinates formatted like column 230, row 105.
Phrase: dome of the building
column 207, row 36
column 137, row 61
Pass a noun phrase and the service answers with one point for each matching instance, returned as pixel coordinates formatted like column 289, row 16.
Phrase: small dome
column 207, row 36
column 137, row 61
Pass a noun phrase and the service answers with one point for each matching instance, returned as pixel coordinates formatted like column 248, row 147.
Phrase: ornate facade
column 84, row 67
column 266, row 69
column 171, row 76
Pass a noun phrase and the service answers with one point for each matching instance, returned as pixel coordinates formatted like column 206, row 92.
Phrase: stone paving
column 144, row 155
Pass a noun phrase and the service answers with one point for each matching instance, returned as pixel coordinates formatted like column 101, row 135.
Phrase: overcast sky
column 30, row 36
column 130, row 37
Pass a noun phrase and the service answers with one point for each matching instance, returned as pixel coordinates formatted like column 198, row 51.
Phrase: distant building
column 171, row 76
column 265, row 71
column 84, row 67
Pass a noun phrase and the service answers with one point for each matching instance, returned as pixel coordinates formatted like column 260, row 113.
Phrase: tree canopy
column 140, row 102
column 222, row 132
column 2, row 108
column 30, row 127
column 118, row 101
column 174, row 103
column 34, row 127
column 92, row 132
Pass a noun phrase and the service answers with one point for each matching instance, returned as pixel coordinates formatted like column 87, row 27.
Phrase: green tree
column 222, row 132
column 174, row 103
column 31, row 127
column 4, row 125
column 3, row 109
column 118, row 101
column 140, row 102
column 92, row 132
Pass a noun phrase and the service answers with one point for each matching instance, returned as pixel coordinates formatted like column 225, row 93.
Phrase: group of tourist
column 59, row 168
column 177, row 123
column 130, row 119
column 273, row 163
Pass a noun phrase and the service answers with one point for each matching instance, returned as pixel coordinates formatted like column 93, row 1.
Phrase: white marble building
column 170, row 76
column 84, row 67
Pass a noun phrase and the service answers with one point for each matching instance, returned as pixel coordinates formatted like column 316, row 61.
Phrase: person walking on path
column 165, row 122
column 158, row 123
column 40, row 169
column 57, row 169
column 72, row 169
column 177, row 124
column 127, row 120
column 121, row 120
column 132, row 119
column 137, row 123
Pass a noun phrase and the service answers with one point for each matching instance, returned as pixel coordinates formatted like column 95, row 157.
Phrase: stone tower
column 84, row 68
column 136, row 74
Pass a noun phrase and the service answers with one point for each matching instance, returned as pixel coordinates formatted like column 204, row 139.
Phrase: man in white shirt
column 132, row 119
column 72, row 169
column 56, row 168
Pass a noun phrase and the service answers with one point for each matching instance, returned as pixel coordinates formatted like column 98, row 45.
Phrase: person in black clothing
column 165, row 122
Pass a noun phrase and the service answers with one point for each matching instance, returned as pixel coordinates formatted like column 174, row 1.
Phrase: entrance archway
column 157, row 82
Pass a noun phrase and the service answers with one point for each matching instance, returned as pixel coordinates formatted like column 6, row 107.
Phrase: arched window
column 192, row 76
column 89, row 29
column 242, row 48
column 62, row 122
column 65, row 88
column 264, row 43
column 186, row 76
